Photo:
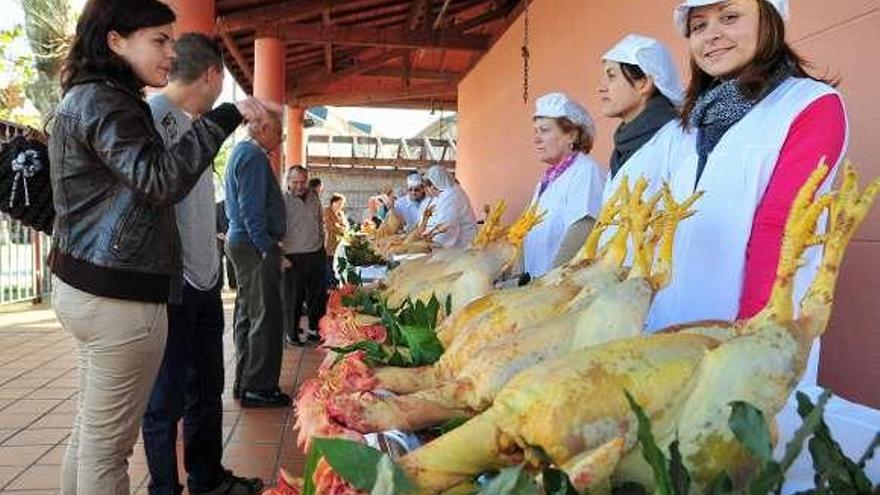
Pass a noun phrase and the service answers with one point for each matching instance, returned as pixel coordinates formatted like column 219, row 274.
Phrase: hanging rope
column 526, row 54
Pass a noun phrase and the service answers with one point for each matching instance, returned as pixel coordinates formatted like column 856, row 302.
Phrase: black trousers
column 259, row 341
column 188, row 386
column 305, row 282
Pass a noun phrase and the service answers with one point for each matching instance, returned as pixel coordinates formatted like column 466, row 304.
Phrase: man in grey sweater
column 305, row 264
column 190, row 380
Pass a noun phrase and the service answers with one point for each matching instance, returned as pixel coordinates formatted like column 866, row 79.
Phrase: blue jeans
column 189, row 386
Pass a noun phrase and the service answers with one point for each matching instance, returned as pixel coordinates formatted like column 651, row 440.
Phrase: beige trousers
column 119, row 350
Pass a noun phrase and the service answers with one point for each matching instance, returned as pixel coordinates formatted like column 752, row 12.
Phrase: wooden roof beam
column 328, row 47
column 376, row 97
column 317, row 82
column 414, row 73
column 389, row 38
column 232, row 47
column 290, row 11
column 418, row 14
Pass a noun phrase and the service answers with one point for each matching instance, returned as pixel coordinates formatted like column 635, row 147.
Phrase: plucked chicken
column 473, row 376
column 573, row 412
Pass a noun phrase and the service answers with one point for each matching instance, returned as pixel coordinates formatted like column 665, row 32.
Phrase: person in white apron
column 640, row 86
column 570, row 191
column 452, row 209
column 409, row 206
column 753, row 129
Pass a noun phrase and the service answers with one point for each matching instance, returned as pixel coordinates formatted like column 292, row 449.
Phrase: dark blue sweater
column 254, row 203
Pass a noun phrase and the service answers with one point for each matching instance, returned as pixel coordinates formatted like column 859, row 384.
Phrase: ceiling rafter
column 389, row 38
column 358, row 98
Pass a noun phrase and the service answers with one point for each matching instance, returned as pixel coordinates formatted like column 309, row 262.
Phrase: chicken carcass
column 573, row 411
column 469, row 275
column 496, row 313
column 471, row 380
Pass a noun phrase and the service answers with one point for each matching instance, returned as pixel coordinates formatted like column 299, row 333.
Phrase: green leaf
column 423, row 344
column 312, row 459
column 375, row 353
column 358, row 464
column 511, row 481
column 681, row 479
column 832, row 466
column 650, row 451
column 385, row 479
column 748, row 424
column 556, row 482
column 721, row 485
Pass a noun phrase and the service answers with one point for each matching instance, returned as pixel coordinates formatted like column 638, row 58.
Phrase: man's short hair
column 298, row 169
column 195, row 53
column 314, row 182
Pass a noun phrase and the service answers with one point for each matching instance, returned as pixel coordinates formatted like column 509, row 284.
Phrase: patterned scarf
column 553, row 173
column 720, row 108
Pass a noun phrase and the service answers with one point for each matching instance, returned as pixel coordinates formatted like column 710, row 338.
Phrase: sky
column 386, row 122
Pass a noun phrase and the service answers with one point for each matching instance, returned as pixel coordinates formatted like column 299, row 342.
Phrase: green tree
column 49, row 27
column 16, row 75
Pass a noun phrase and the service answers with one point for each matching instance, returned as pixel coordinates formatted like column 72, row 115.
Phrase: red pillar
column 293, row 146
column 269, row 79
column 194, row 16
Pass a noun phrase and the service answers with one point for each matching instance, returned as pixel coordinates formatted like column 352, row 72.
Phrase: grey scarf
column 722, row 106
column 630, row 137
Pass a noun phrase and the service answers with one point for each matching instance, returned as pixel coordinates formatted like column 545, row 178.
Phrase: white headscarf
column 556, row 105
column 440, row 178
column 654, row 59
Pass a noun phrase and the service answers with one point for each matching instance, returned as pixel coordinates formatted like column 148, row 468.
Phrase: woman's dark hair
column 772, row 51
column 89, row 52
column 336, row 197
column 632, row 73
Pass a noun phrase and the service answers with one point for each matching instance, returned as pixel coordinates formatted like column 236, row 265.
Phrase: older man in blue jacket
column 257, row 222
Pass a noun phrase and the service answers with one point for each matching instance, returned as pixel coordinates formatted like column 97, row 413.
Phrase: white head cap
column 413, row 180
column 654, row 60
column 440, row 178
column 556, row 105
column 680, row 16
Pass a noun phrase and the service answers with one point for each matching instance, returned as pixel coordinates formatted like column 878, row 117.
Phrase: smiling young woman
column 754, row 126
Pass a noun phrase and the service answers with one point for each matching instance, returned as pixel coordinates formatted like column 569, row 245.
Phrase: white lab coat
column 575, row 194
column 710, row 247
column 452, row 208
column 410, row 211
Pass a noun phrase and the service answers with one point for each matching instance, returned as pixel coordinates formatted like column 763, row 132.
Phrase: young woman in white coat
column 452, row 209
column 755, row 125
column 570, row 190
column 640, row 86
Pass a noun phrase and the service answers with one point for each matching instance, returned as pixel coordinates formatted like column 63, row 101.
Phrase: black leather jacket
column 114, row 186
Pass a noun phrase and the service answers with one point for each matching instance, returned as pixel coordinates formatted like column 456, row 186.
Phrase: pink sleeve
column 819, row 131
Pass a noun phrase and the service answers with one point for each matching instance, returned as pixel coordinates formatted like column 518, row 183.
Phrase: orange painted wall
column 568, row 37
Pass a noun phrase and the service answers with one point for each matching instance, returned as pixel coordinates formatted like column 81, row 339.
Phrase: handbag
column 25, row 184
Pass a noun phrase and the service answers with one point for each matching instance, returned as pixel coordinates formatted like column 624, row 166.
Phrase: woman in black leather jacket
column 115, row 250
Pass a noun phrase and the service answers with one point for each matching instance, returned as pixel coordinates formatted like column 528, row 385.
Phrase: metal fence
column 23, row 273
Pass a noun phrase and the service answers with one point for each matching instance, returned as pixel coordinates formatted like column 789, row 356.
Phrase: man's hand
column 286, row 264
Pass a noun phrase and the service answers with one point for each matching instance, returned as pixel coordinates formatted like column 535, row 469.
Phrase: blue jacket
column 254, row 203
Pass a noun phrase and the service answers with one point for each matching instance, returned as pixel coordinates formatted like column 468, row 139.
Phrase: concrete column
column 269, row 79
column 294, row 145
column 194, row 16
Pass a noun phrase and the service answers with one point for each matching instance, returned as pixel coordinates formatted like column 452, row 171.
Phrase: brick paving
column 38, row 401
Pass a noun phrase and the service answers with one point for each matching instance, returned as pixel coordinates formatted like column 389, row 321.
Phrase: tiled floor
column 37, row 404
